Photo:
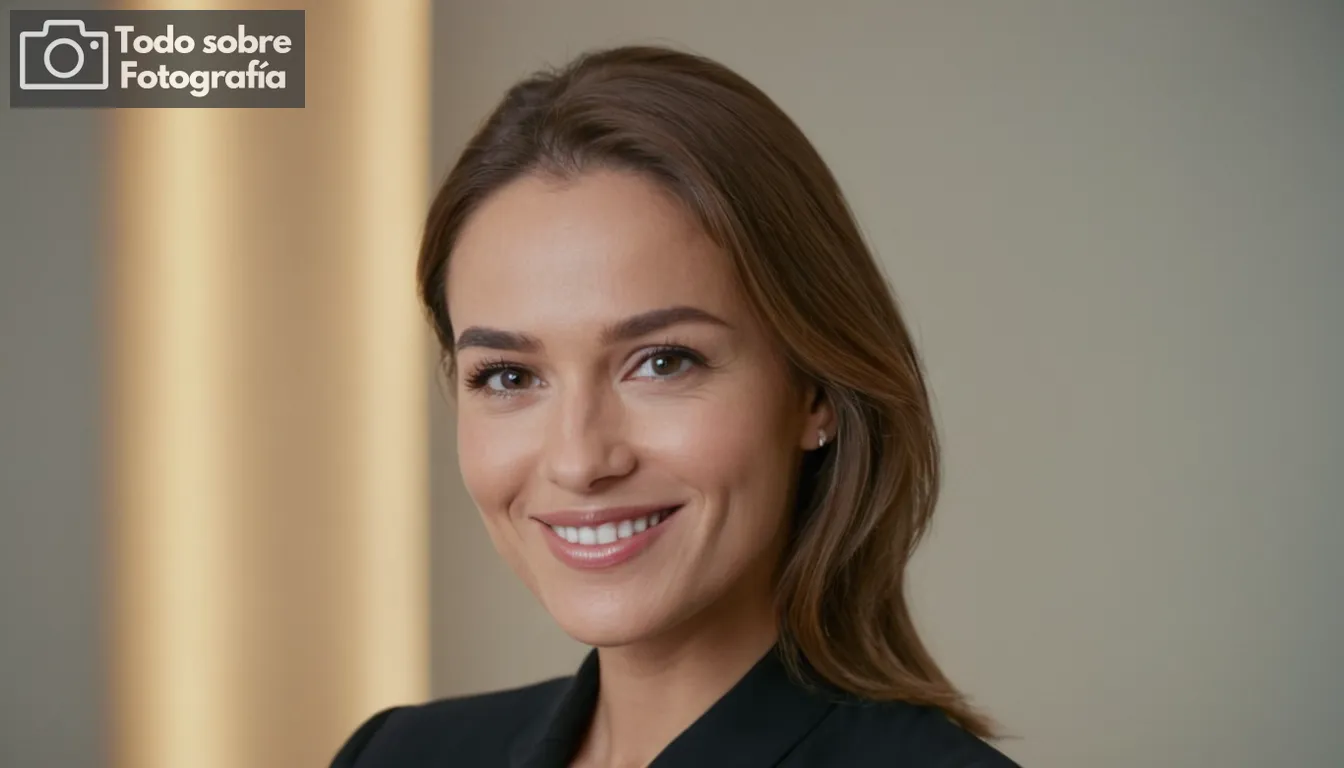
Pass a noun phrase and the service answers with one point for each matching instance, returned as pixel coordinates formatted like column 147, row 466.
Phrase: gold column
column 268, row 405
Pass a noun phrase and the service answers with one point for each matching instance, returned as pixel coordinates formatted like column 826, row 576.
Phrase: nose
column 586, row 446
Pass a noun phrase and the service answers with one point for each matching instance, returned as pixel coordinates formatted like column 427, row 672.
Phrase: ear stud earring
column 821, row 439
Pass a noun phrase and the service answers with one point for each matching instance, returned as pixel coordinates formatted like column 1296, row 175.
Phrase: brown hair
column 764, row 195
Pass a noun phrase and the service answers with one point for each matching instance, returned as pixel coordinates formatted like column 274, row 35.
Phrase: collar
column 755, row 723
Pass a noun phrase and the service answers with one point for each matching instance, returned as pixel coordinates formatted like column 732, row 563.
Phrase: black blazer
column 765, row 720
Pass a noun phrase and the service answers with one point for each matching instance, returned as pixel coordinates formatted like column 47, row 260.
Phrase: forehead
column 541, row 254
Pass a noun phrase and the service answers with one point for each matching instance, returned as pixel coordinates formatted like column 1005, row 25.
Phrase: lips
column 589, row 539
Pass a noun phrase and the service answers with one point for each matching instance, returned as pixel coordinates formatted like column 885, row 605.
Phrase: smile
column 605, row 538
column 606, row 533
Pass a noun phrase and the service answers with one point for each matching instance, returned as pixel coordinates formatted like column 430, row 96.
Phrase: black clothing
column 766, row 720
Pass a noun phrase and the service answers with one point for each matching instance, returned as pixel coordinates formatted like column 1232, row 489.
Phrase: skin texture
column 579, row 420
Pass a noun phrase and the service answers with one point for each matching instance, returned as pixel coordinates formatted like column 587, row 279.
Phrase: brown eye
column 664, row 365
column 509, row 379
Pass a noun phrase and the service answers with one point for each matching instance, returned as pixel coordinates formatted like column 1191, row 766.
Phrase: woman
column 696, row 427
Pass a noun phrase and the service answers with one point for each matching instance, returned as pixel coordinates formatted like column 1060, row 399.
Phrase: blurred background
column 231, row 523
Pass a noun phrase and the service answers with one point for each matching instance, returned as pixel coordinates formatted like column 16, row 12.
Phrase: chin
column 606, row 620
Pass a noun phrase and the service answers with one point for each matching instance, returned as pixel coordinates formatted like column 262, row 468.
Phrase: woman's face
column 628, row 430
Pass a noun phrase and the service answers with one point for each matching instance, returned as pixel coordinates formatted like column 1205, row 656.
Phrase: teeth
column 608, row 533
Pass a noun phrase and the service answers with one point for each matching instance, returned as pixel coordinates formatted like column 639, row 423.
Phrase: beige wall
column 1116, row 229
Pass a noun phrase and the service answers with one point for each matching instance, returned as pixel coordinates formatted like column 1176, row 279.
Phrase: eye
column 498, row 378
column 507, row 380
column 665, row 364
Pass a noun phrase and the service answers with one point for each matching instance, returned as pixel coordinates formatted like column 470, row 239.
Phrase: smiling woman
column 694, row 424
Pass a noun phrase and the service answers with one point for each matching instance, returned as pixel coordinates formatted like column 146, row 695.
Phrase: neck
column 651, row 691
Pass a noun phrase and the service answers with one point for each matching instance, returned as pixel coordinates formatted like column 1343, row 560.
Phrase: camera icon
column 39, row 72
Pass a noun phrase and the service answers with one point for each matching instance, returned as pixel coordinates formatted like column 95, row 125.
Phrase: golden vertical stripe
column 267, row 448
column 392, row 86
column 170, row 449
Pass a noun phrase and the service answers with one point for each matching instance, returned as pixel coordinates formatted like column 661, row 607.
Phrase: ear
column 819, row 423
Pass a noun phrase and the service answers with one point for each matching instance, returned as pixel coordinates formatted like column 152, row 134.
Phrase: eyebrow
column 624, row 330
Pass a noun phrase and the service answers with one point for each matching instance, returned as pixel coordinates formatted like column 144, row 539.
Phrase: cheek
column 493, row 458
column 737, row 439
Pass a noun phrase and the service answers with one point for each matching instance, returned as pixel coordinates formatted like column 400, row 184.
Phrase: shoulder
column 452, row 731
column 896, row 733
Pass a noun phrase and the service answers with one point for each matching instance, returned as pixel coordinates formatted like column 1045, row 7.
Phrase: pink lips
column 594, row 539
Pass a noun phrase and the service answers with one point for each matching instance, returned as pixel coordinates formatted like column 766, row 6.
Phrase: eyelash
column 481, row 372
